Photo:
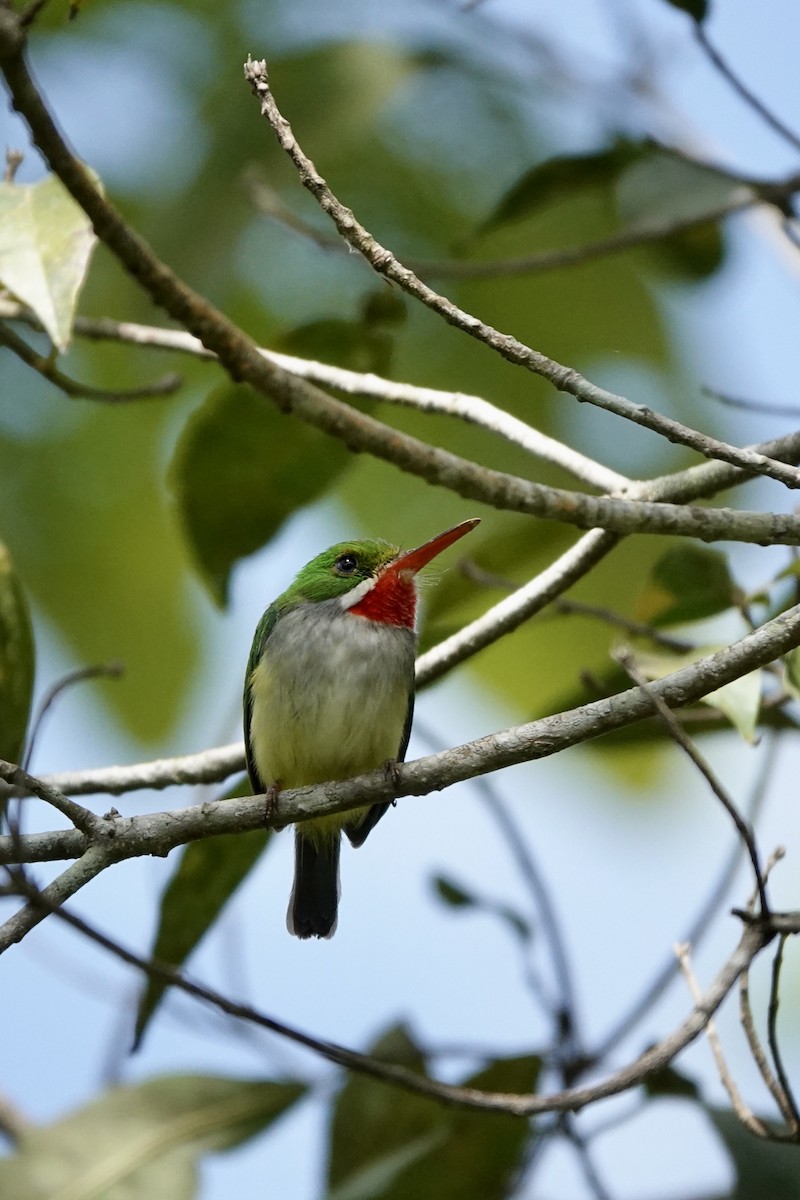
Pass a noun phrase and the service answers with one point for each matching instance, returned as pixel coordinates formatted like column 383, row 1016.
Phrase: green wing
column 358, row 833
column 263, row 630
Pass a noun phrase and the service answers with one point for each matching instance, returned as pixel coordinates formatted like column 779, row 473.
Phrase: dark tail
column 315, row 895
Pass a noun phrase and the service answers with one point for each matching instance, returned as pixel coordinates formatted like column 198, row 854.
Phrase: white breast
column 330, row 695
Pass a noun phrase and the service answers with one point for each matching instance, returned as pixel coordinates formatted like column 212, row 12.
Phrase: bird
column 329, row 694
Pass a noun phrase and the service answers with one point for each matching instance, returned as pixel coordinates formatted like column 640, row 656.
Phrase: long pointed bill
column 411, row 561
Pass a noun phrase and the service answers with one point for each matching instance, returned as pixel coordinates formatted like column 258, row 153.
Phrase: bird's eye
column 346, row 564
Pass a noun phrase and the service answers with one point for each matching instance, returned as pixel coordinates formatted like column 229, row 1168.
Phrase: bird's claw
column 391, row 769
column 271, row 803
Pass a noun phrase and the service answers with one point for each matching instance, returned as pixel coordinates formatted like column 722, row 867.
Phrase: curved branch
column 465, row 407
column 753, row 940
column 241, row 359
column 43, row 365
column 565, row 379
column 158, row 833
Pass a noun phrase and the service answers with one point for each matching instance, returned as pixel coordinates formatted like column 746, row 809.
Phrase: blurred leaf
column 691, row 254
column 739, row 700
column 698, row 9
column 669, row 1082
column 390, row 1145
column 763, row 1169
column 98, row 550
column 142, row 1141
column 240, row 469
column 377, row 1130
column 356, row 345
column 687, row 583
column 451, row 893
column 208, row 873
column 791, row 675
column 665, row 187
column 457, row 897
column 46, row 242
column 550, row 181
column 16, row 661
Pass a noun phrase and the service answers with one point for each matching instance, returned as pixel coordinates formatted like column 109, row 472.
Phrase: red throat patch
column 392, row 601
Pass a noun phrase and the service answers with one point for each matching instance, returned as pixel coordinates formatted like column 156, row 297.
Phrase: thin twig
column 754, row 406
column 563, row 378
column 748, row 1022
column 563, row 1013
column 618, row 621
column 742, row 90
column 680, row 737
column 474, row 410
column 642, row 233
column 699, row 926
column 742, row 1111
column 44, row 366
column 101, row 670
column 752, row 941
column 154, row 833
column 772, row 1037
column 82, row 818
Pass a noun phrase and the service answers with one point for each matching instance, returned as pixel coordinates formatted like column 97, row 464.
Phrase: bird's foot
column 391, row 770
column 271, row 804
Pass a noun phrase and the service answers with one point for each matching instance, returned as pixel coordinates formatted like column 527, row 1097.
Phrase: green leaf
column 451, row 893
column 697, row 9
column 376, row 1131
column 390, row 1145
column 556, row 178
column 361, row 345
column 482, row 1152
column 688, row 583
column 669, row 1082
column 739, row 701
column 16, row 662
column 207, row 875
column 241, row 469
column 142, row 1141
column 457, row 897
column 46, row 242
column 664, row 187
column 763, row 1169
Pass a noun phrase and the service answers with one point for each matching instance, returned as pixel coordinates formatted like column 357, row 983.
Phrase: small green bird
column 329, row 693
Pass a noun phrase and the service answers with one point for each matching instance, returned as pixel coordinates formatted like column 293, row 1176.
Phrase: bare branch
column 472, row 409
column 753, row 940
column 681, row 739
column 81, row 818
column 698, row 927
column 749, row 97
column 745, row 1114
column 158, row 833
column 44, row 366
column 49, row 900
column 563, row 378
column 789, row 1101
column 643, row 233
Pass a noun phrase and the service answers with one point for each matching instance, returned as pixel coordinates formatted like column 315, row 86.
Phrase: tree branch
column 563, row 378
column 44, row 366
column 753, row 940
column 241, row 359
column 158, row 833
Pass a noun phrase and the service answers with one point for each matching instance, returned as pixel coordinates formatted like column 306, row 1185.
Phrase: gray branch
column 158, row 833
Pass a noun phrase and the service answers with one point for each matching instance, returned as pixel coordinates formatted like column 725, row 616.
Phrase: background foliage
column 457, row 134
